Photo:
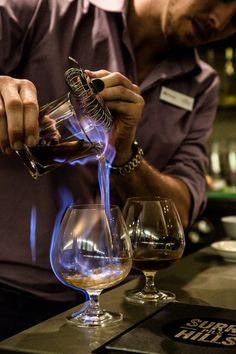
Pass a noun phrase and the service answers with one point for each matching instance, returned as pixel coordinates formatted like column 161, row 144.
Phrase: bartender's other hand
column 126, row 104
column 18, row 114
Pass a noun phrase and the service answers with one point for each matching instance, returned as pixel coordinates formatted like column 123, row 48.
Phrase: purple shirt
column 36, row 39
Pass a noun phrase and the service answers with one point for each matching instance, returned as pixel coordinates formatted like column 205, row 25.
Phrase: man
column 126, row 44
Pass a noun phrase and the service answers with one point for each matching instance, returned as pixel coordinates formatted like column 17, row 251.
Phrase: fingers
column 123, row 98
column 97, row 74
column 127, row 110
column 18, row 114
column 124, row 104
column 31, row 110
column 13, row 134
column 112, row 79
column 116, row 90
column 121, row 93
column 4, row 143
column 118, row 80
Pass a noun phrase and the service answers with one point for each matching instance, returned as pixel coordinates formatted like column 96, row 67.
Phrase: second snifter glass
column 71, row 128
column 157, row 239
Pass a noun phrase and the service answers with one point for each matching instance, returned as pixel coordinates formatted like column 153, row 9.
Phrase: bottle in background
column 228, row 79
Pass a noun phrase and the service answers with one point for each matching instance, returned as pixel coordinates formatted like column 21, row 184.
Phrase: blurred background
column 221, row 176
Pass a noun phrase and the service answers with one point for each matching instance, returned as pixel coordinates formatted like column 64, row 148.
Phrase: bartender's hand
column 126, row 104
column 18, row 114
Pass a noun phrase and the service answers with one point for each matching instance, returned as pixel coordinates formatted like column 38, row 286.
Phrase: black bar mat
column 179, row 329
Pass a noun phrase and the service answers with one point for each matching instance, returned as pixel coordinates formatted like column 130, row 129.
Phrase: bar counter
column 202, row 278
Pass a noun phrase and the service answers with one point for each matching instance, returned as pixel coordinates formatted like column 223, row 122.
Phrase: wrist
column 131, row 164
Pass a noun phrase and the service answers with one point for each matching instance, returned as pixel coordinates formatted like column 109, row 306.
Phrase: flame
column 83, row 161
column 66, row 199
column 33, row 233
column 104, row 175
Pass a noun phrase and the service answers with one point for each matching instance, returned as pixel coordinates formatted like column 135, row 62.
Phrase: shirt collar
column 176, row 64
column 110, row 5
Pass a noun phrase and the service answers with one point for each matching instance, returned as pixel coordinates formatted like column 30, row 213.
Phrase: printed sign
column 202, row 331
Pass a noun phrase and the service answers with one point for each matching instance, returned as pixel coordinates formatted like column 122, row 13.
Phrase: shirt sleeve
column 16, row 18
column 190, row 162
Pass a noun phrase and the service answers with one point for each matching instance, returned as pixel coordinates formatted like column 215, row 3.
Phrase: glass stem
column 94, row 308
column 150, row 287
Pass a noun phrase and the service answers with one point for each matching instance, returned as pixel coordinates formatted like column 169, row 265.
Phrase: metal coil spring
column 92, row 104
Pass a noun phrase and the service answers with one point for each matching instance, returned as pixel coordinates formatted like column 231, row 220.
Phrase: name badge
column 176, row 98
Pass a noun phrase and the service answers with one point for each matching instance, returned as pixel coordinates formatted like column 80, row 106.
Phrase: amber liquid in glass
column 153, row 260
column 48, row 157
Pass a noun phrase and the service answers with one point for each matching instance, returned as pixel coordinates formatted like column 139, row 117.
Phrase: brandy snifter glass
column 92, row 251
column 157, row 238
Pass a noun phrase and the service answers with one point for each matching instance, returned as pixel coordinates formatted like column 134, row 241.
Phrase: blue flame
column 103, row 179
column 83, row 161
column 104, row 176
column 86, row 129
column 33, row 233
column 83, row 129
column 59, row 160
column 66, row 199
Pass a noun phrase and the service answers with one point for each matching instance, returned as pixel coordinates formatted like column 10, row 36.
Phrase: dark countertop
column 201, row 278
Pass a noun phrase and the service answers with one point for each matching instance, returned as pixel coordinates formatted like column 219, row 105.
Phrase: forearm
column 145, row 180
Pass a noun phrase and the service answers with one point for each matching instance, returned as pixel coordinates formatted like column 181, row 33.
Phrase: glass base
column 158, row 297
column 105, row 318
